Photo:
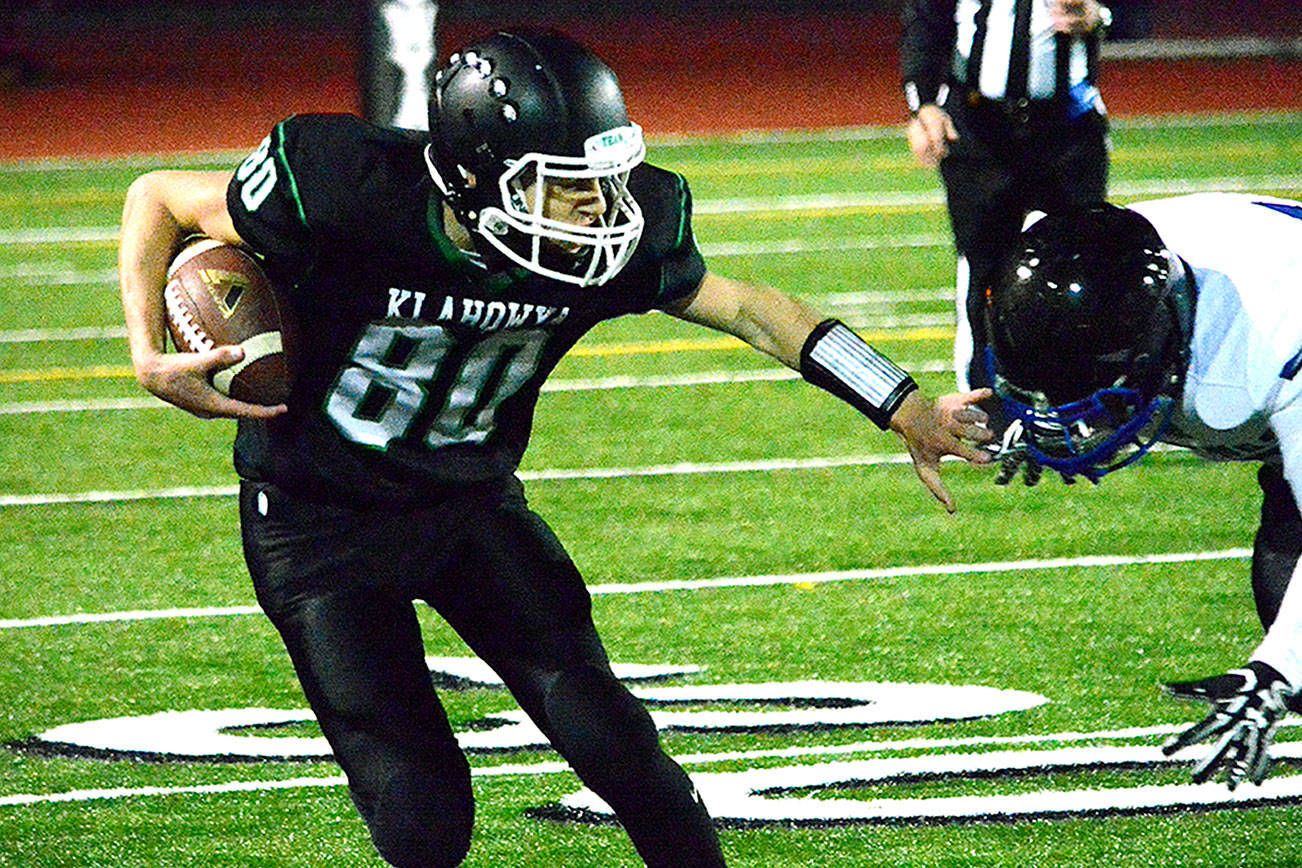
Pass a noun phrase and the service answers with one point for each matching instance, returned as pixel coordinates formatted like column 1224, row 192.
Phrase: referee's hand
column 1074, row 16
column 930, row 133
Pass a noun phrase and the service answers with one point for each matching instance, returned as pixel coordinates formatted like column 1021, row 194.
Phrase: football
column 218, row 295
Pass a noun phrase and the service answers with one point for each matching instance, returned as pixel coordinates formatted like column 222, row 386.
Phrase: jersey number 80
column 397, row 372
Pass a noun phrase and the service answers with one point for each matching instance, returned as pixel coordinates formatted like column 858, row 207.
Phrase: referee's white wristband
column 838, row 360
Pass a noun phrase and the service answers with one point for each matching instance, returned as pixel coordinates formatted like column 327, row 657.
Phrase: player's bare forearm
column 785, row 328
column 159, row 210
column 767, row 319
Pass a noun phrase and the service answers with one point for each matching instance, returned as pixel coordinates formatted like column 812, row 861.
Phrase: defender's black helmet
column 1088, row 324
column 1087, row 300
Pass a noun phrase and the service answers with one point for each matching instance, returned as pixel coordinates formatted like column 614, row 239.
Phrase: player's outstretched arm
column 161, row 208
column 830, row 355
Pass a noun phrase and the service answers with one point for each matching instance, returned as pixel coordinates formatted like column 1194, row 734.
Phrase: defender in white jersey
column 1180, row 321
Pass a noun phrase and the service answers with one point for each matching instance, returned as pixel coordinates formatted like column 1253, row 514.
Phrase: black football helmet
column 1089, row 323
column 511, row 114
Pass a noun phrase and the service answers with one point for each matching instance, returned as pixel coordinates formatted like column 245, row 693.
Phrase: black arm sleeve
column 927, row 48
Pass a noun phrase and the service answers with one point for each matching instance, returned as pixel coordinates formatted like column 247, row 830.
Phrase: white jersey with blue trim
column 1243, row 390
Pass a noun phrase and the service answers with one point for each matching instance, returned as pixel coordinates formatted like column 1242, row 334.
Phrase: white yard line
column 553, row 767
column 758, row 204
column 597, row 384
column 680, row 469
column 756, row 137
column 621, row 588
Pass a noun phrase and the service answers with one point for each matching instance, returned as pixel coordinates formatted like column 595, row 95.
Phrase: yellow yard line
column 45, row 375
column 602, row 350
column 687, row 345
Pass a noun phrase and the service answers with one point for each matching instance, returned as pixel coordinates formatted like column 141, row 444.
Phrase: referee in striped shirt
column 1003, row 99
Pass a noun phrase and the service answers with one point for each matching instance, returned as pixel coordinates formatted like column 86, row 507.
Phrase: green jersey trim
column 289, row 174
column 456, row 258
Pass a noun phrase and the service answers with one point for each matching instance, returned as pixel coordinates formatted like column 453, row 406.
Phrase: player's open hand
column 185, row 380
column 1246, row 706
column 950, row 425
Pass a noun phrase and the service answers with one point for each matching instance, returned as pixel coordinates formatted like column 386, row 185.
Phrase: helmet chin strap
column 461, row 234
column 450, row 193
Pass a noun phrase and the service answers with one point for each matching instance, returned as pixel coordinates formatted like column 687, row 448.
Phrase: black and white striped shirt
column 1003, row 49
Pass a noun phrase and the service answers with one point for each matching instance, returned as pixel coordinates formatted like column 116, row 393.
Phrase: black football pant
column 339, row 585
column 1278, row 543
column 1000, row 169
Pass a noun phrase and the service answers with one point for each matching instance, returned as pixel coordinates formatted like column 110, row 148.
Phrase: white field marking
column 541, row 768
column 619, row 588
column 753, row 137
column 875, row 133
column 1087, row 561
column 888, row 199
column 140, row 615
column 60, row 235
column 56, row 274
column 1200, row 49
column 90, row 405
column 829, row 244
column 76, row 333
column 178, row 159
column 875, row 297
column 701, row 378
column 781, row 204
column 681, row 469
column 685, row 468
column 865, row 300
column 115, row 496
column 551, row 768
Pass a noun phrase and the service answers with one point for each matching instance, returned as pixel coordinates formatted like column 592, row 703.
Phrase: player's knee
column 423, row 820
column 598, row 724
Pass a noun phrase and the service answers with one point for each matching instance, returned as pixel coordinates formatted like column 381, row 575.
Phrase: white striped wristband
column 838, row 360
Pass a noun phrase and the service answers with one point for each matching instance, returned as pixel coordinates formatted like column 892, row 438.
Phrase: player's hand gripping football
column 1013, row 456
column 184, row 379
column 951, row 425
column 1246, row 706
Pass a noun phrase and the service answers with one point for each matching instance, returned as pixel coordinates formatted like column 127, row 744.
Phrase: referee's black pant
column 1007, row 162
column 339, row 584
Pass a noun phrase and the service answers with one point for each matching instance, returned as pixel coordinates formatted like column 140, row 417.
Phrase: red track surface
column 146, row 93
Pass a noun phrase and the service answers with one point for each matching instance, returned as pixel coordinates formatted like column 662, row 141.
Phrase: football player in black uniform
column 436, row 281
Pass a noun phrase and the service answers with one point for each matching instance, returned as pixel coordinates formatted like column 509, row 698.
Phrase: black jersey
column 418, row 370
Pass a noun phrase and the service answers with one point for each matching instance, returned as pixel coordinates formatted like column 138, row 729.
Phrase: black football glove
column 1247, row 705
column 1013, row 456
